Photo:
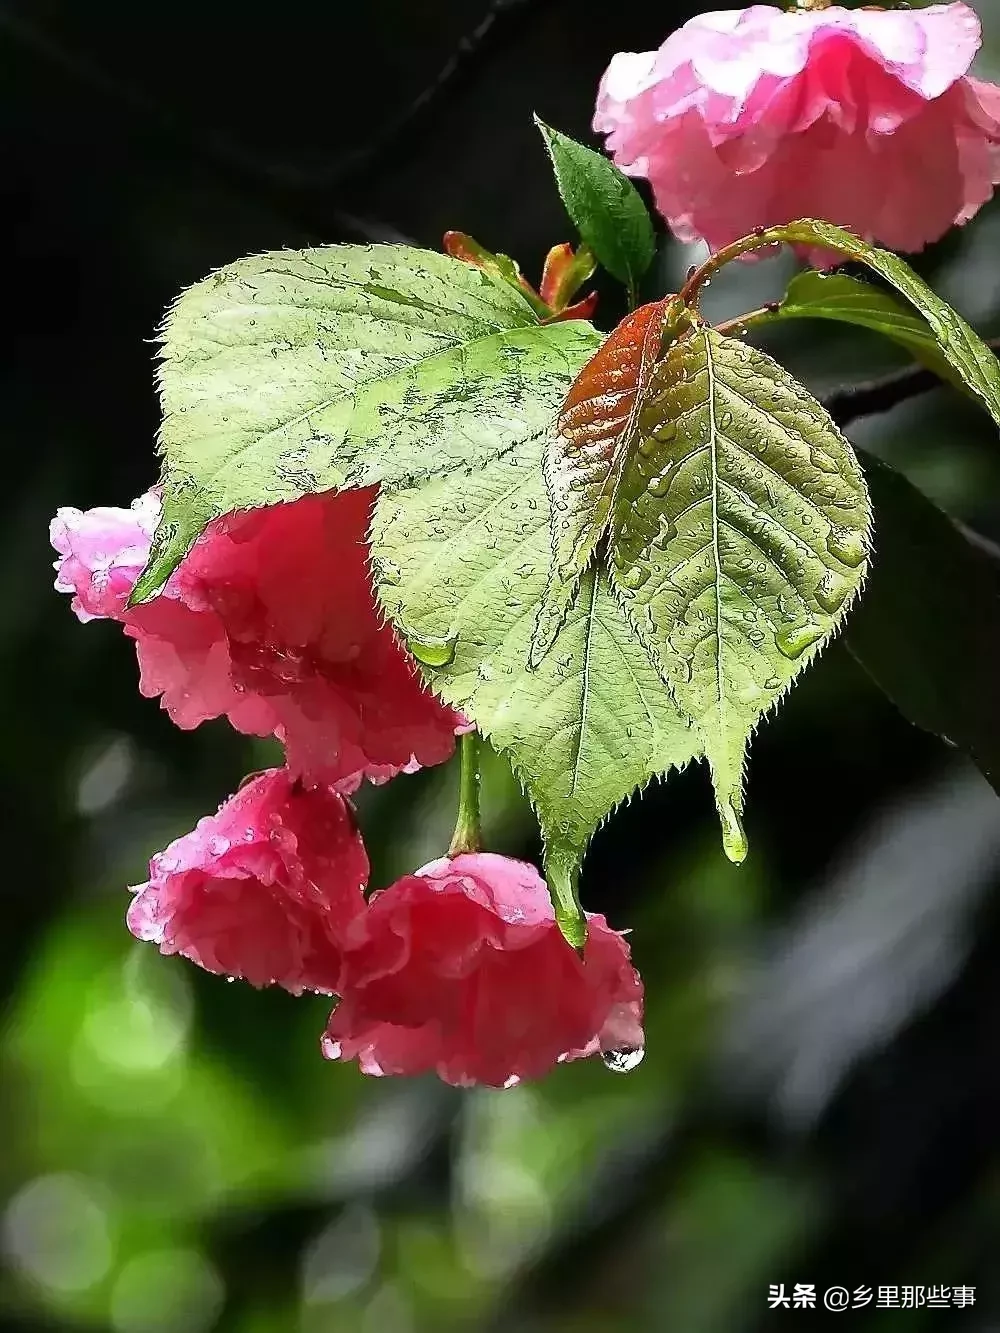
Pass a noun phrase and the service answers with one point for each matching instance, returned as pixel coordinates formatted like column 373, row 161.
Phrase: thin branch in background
column 227, row 160
column 472, row 49
column 881, row 395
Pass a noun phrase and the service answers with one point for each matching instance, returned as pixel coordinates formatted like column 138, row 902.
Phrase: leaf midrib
column 716, row 555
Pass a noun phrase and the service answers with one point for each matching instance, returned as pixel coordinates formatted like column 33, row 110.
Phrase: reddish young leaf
column 587, row 450
column 564, row 273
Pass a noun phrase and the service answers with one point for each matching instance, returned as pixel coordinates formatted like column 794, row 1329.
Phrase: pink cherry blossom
column 270, row 621
column 266, row 889
column 865, row 117
column 460, row 968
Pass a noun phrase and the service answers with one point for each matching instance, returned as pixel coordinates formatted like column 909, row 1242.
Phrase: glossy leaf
column 586, row 453
column 847, row 300
column 961, row 346
column 342, row 366
column 462, row 560
column 928, row 627
column 604, row 206
column 739, row 538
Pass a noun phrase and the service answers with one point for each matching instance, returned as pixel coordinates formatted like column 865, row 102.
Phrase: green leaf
column 847, row 300
column 586, row 454
column 343, row 366
column 928, row 627
column 740, row 537
column 963, row 349
column 604, row 206
column 463, row 560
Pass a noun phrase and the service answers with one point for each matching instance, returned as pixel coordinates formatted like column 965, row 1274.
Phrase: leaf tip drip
column 734, row 838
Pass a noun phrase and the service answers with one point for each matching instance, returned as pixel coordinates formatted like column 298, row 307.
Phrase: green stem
column 761, row 239
column 468, row 835
column 740, row 325
column 562, row 874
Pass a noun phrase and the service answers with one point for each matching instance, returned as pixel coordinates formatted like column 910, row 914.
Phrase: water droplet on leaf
column 846, row 545
column 793, row 640
column 831, row 592
column 430, row 651
column 667, row 532
column 734, row 839
column 635, row 577
column 822, row 460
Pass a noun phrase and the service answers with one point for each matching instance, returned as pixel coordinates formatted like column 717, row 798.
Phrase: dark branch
column 468, row 55
column 881, row 395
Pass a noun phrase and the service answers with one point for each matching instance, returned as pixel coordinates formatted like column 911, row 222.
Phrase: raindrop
column 734, row 839
column 666, row 533
column 623, row 1059
column 831, row 592
column 430, row 651
column 822, row 460
column 658, row 486
column 793, row 640
column 846, row 545
column 635, row 577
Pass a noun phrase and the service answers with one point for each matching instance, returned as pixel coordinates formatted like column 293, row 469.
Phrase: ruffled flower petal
column 270, row 620
column 461, row 969
column 267, row 889
column 754, row 117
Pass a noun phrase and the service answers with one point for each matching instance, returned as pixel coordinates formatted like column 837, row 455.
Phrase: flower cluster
column 270, row 621
column 865, row 117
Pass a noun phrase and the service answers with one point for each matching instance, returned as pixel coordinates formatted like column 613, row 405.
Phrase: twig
column 231, row 162
column 881, row 395
column 459, row 66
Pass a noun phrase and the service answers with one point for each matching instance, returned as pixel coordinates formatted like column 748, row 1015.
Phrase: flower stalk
column 468, row 835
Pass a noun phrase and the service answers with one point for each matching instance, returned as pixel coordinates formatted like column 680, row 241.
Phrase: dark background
column 820, row 1099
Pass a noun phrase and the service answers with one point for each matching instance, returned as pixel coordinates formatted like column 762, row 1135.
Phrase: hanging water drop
column 793, row 640
column 667, row 532
column 734, row 838
column 623, row 1059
